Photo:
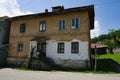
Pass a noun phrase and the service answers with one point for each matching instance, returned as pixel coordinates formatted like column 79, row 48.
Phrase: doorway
column 41, row 48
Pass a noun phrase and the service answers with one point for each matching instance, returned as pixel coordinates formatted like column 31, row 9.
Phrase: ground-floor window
column 74, row 47
column 20, row 47
column 60, row 47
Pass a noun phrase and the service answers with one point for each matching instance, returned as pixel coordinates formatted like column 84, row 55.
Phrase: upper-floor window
column 74, row 47
column 75, row 23
column 22, row 27
column 42, row 26
column 62, row 24
column 20, row 47
column 60, row 47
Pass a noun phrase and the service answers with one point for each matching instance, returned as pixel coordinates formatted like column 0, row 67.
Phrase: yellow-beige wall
column 52, row 31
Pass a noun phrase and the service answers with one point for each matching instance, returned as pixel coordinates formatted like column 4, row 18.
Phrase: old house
column 4, row 38
column 62, row 35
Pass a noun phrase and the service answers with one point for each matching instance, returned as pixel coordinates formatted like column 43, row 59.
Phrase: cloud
column 96, row 31
column 11, row 8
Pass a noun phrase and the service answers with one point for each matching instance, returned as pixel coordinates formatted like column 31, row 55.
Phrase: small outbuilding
column 101, row 48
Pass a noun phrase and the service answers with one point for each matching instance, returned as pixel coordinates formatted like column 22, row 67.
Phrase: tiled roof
column 98, row 45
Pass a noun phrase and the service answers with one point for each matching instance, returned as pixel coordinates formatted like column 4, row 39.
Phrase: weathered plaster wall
column 68, row 59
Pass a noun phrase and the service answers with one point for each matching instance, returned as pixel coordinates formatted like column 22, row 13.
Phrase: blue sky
column 107, row 12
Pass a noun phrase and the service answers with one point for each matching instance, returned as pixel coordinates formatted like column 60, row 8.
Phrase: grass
column 115, row 57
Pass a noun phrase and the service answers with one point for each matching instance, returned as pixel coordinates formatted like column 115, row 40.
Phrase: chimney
column 46, row 10
column 57, row 8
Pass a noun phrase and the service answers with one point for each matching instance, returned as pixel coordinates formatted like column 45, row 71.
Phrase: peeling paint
column 68, row 58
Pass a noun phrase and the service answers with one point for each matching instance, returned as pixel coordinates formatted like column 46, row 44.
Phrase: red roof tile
column 98, row 45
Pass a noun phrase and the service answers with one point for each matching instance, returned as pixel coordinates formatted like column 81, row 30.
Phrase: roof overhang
column 40, row 39
column 89, row 8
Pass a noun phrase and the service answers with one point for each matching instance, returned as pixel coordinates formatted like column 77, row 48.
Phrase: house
column 4, row 38
column 101, row 48
column 62, row 35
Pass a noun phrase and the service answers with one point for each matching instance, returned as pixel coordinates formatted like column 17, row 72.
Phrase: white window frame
column 62, row 25
column 75, row 23
column 61, row 47
column 42, row 26
column 74, row 47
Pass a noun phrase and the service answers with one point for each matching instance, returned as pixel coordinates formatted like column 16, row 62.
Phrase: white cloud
column 96, row 31
column 11, row 8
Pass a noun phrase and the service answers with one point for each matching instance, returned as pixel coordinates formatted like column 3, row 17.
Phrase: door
column 41, row 47
column 3, row 57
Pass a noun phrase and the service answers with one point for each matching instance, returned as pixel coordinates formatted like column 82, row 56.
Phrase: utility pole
column 95, row 57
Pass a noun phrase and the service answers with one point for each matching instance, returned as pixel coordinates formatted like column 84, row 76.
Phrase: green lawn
column 115, row 57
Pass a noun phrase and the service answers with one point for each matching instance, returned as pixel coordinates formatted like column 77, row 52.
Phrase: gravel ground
column 12, row 74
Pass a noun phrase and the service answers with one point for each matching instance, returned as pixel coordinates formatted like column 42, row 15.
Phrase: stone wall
column 116, row 50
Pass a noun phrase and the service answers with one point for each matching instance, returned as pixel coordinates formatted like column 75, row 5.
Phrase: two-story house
column 62, row 35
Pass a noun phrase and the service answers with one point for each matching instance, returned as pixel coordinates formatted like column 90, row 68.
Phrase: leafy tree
column 110, row 45
column 115, row 35
column 112, row 39
column 94, row 40
column 103, row 37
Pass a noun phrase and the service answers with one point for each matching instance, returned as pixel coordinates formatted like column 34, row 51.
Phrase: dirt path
column 11, row 74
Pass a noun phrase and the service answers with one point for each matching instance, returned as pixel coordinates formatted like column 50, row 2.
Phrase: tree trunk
column 111, row 50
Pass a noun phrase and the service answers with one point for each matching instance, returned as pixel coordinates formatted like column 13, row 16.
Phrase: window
column 60, row 47
column 74, row 47
column 42, row 26
column 20, row 47
column 75, row 23
column 62, row 24
column 22, row 27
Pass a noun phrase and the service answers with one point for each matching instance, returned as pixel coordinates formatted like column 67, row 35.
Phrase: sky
column 107, row 12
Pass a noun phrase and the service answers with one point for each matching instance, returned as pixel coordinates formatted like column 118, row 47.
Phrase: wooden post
column 95, row 64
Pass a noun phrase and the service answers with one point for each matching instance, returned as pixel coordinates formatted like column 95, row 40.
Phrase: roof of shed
column 98, row 45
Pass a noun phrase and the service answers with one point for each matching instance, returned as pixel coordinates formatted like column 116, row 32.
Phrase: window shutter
column 77, row 23
column 40, row 27
column 73, row 22
column 44, row 25
column 63, row 24
column 60, row 22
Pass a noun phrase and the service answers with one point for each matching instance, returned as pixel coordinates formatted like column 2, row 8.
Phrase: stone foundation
column 17, row 62
column 73, row 63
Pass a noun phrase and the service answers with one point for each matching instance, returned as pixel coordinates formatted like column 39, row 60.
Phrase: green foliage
column 94, row 40
column 115, row 57
column 112, row 39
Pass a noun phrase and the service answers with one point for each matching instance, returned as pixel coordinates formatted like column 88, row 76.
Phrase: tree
column 94, row 40
column 110, row 45
column 112, row 39
column 115, row 35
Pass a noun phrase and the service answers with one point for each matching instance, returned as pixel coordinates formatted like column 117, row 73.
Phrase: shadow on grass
column 108, row 65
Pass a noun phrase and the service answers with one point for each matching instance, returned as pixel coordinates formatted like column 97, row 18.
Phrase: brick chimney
column 46, row 10
column 57, row 8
